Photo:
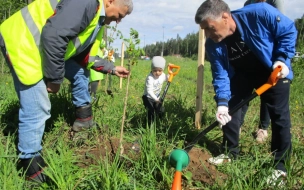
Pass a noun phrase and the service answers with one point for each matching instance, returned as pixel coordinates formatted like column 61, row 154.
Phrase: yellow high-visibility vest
column 22, row 31
column 95, row 51
column 95, row 75
column 95, row 48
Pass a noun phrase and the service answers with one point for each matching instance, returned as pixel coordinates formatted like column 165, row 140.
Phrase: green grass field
column 96, row 164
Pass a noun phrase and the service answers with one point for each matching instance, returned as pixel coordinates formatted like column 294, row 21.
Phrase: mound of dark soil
column 201, row 170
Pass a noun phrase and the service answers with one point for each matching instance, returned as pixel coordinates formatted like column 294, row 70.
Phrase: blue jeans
column 34, row 110
column 35, row 106
column 79, row 78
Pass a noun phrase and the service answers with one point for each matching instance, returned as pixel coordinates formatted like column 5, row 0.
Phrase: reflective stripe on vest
column 35, row 31
column 95, row 48
column 22, row 31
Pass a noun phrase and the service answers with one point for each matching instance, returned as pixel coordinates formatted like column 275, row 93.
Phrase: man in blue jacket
column 243, row 47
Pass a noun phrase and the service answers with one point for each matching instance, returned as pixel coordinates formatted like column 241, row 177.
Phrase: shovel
column 171, row 66
column 179, row 158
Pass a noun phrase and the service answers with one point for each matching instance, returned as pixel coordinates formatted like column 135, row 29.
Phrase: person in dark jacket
column 262, row 134
column 279, row 4
column 243, row 53
column 55, row 41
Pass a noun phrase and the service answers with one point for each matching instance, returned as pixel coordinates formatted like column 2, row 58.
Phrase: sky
column 158, row 20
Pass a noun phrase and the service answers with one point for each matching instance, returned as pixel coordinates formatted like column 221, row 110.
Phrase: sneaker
column 261, row 135
column 277, row 178
column 221, row 159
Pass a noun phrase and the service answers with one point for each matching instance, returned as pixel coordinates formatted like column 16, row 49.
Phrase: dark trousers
column 277, row 102
column 152, row 108
column 93, row 87
column 264, row 116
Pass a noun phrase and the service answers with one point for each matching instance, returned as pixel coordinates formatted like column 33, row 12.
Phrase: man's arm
column 221, row 81
column 102, row 65
column 285, row 34
column 71, row 18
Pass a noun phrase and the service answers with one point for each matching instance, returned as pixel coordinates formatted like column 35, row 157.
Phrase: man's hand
column 121, row 71
column 284, row 72
column 158, row 102
column 222, row 115
column 52, row 88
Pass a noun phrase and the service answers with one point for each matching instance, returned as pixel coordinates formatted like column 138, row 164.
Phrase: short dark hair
column 212, row 9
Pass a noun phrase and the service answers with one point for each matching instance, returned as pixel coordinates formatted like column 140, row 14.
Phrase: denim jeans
column 34, row 110
column 79, row 78
column 35, row 106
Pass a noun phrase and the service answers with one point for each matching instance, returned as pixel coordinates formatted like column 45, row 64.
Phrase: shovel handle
column 177, row 181
column 110, row 53
column 170, row 71
column 272, row 80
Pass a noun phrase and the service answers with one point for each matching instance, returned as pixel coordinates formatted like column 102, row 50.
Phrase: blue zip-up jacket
column 269, row 34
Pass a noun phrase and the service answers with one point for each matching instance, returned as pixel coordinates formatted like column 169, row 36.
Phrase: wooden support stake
column 124, row 113
column 200, row 78
column 121, row 63
column 106, row 82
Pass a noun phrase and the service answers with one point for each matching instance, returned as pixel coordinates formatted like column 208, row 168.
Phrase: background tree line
column 187, row 47
column 9, row 7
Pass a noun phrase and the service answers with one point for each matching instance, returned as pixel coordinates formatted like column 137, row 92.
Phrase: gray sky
column 153, row 18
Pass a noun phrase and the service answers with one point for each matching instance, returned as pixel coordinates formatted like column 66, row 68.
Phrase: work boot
column 84, row 119
column 83, row 125
column 32, row 168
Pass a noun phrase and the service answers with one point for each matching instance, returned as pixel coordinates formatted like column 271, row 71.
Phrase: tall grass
column 68, row 165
